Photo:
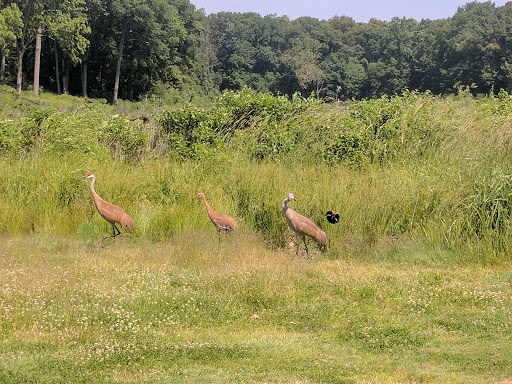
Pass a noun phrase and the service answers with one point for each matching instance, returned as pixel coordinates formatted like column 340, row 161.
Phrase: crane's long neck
column 94, row 194
column 284, row 206
column 208, row 208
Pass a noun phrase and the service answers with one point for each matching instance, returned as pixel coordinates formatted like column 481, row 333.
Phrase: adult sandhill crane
column 110, row 212
column 222, row 222
column 302, row 226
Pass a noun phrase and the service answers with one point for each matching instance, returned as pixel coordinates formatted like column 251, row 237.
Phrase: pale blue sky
column 359, row 10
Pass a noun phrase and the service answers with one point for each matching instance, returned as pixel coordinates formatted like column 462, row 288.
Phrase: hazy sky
column 359, row 10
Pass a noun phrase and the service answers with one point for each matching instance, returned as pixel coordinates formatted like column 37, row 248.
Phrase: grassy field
column 187, row 311
column 416, row 286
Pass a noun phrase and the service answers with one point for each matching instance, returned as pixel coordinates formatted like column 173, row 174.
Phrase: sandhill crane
column 222, row 222
column 110, row 212
column 302, row 226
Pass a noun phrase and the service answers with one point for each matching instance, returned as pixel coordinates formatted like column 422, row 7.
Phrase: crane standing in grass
column 110, row 212
column 222, row 222
column 302, row 226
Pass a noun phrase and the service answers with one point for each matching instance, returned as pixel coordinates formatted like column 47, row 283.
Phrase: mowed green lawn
column 188, row 311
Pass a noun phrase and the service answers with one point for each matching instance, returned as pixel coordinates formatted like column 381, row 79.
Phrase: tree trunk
column 84, row 75
column 22, row 44
column 19, row 76
column 37, row 60
column 57, row 73
column 66, row 70
column 319, row 86
column 118, row 67
column 2, row 65
column 65, row 76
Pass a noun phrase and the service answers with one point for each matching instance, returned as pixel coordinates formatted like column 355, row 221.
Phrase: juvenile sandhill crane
column 110, row 212
column 302, row 226
column 222, row 222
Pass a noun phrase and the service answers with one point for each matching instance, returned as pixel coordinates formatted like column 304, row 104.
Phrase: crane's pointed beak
column 83, row 177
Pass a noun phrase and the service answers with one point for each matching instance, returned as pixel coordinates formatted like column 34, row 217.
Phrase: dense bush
column 190, row 131
column 254, row 123
column 125, row 140
column 83, row 131
column 377, row 130
column 12, row 136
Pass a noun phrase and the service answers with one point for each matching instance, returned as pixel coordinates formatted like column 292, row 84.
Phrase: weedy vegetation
column 415, row 287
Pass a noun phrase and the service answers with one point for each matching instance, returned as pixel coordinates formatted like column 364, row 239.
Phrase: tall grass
column 411, row 168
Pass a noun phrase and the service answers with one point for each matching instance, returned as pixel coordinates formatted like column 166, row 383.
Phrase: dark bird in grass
column 333, row 217
column 110, row 212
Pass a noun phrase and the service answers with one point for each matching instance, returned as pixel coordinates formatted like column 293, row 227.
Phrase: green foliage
column 180, row 55
column 66, row 22
column 123, row 138
column 12, row 136
column 256, row 122
column 378, row 130
column 500, row 105
column 190, row 131
column 487, row 209
column 405, row 152
column 11, row 25
column 69, row 133
column 80, row 132
column 246, row 104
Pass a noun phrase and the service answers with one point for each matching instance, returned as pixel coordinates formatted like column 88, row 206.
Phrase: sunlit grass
column 187, row 310
column 415, row 287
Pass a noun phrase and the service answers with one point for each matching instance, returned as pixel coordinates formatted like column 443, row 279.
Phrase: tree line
column 132, row 49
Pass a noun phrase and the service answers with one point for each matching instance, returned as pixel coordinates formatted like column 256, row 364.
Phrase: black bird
column 332, row 217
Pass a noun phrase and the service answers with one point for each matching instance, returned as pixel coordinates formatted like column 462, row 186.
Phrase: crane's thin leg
column 297, row 242
column 114, row 234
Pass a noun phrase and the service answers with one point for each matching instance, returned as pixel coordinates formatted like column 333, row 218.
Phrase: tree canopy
column 138, row 48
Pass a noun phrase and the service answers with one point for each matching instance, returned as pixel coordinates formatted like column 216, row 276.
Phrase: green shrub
column 189, row 131
column 21, row 135
column 62, row 133
column 500, row 105
column 123, row 138
column 11, row 136
column 258, row 124
column 378, row 130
